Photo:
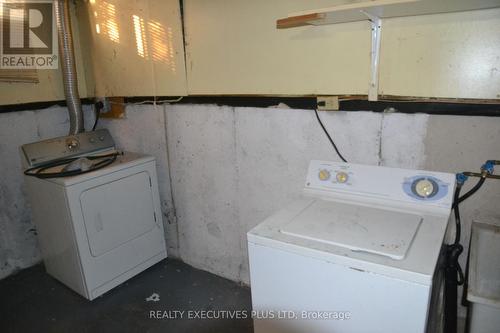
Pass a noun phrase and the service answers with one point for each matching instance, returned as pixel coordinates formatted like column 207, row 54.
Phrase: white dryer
column 99, row 228
column 357, row 254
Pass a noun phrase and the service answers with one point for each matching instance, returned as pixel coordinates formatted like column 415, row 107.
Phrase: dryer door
column 117, row 212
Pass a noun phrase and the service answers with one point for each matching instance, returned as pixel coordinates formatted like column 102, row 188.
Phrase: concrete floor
column 32, row 301
column 461, row 325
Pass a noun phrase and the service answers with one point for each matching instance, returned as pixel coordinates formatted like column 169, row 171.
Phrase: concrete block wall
column 222, row 170
column 143, row 130
column 233, row 167
column 18, row 244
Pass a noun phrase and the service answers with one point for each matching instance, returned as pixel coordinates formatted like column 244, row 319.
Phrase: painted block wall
column 236, row 166
column 143, row 130
column 232, row 167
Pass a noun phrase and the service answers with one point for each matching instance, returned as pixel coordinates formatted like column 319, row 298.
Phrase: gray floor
column 32, row 301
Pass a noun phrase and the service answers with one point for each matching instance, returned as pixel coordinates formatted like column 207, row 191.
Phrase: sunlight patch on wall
column 158, row 41
column 171, row 53
column 140, row 36
column 162, row 44
column 106, row 22
column 153, row 41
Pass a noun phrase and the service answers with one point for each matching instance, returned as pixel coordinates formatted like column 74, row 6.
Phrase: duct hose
column 67, row 61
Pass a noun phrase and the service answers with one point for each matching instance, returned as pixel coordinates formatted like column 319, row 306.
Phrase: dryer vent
column 67, row 60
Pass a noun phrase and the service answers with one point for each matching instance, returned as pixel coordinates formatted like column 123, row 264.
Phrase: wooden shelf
column 375, row 11
column 382, row 9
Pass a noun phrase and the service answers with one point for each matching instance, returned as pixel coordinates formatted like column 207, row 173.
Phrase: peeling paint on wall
column 142, row 131
column 18, row 244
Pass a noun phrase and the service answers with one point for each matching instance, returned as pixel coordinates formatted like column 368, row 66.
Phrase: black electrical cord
column 97, row 111
column 39, row 170
column 458, row 222
column 329, row 137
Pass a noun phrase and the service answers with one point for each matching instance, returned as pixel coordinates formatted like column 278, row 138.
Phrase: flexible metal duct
column 67, row 60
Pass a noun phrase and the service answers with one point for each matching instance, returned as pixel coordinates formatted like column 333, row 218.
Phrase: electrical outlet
column 327, row 103
column 106, row 106
column 113, row 107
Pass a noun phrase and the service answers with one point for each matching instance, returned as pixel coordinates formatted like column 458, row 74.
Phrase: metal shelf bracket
column 376, row 23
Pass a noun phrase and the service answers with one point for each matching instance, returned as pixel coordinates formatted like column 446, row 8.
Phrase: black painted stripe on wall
column 464, row 109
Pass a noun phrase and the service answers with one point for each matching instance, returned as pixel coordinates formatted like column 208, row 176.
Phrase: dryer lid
column 358, row 228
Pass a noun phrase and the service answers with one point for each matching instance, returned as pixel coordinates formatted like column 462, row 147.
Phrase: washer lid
column 358, row 228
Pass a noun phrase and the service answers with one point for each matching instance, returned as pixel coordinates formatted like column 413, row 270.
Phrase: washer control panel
column 413, row 186
column 38, row 153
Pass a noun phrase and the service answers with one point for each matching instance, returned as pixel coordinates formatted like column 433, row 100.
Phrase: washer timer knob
column 425, row 187
column 324, row 174
column 342, row 177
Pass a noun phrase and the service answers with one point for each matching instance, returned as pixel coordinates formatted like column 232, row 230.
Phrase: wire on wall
column 329, row 137
column 151, row 101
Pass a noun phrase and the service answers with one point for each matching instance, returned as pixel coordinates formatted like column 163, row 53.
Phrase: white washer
column 364, row 242
column 98, row 229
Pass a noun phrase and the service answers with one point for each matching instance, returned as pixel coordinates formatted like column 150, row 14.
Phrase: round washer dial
column 424, row 187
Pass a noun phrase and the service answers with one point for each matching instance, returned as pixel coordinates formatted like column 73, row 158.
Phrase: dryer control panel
column 413, row 186
column 38, row 153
